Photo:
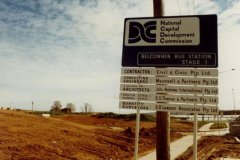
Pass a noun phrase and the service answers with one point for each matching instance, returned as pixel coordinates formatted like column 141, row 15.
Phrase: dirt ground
column 24, row 136
column 213, row 148
column 102, row 122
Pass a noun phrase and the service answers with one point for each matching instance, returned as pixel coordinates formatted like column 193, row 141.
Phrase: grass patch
column 127, row 117
column 218, row 125
column 202, row 123
column 37, row 112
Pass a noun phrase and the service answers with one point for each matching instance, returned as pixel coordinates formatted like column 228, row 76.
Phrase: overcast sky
column 70, row 50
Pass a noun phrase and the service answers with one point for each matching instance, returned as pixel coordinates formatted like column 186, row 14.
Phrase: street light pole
column 233, row 69
column 234, row 103
column 32, row 106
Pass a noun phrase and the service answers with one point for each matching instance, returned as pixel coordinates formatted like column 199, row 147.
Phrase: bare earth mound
column 213, row 148
column 25, row 136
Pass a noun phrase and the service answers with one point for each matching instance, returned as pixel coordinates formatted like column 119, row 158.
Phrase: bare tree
column 56, row 107
column 71, row 107
column 87, row 108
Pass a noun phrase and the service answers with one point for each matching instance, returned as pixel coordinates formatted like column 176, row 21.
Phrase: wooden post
column 163, row 119
column 163, row 136
column 158, row 10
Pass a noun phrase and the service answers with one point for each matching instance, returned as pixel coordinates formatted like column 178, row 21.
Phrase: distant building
column 46, row 115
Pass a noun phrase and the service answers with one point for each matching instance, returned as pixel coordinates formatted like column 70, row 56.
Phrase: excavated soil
column 214, row 148
column 24, row 136
column 77, row 137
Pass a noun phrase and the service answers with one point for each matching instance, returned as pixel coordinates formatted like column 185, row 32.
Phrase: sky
column 70, row 50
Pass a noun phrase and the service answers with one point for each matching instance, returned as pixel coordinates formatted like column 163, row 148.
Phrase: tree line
column 70, row 108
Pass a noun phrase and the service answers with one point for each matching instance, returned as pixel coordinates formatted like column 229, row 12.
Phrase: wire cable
column 179, row 8
column 188, row 8
column 194, row 7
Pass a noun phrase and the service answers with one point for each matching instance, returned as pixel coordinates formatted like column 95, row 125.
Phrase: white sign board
column 187, row 99
column 137, row 88
column 170, row 72
column 169, row 98
column 180, row 108
column 171, row 31
column 187, row 90
column 186, row 72
column 183, row 108
column 187, row 81
column 169, row 89
column 136, row 105
column 138, row 71
column 138, row 79
column 137, row 97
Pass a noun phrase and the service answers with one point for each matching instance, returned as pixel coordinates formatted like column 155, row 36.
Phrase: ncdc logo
column 144, row 33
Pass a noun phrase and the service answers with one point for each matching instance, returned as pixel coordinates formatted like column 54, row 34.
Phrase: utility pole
column 32, row 106
column 163, row 119
column 158, row 9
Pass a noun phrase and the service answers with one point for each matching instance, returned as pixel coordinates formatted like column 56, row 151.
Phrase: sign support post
column 195, row 137
column 137, row 134
column 137, row 129
column 163, row 120
column 195, row 130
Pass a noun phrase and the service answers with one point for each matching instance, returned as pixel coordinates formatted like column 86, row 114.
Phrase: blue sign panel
column 186, row 41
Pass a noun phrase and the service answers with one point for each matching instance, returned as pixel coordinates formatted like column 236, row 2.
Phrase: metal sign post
column 195, row 136
column 137, row 134
column 137, row 127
